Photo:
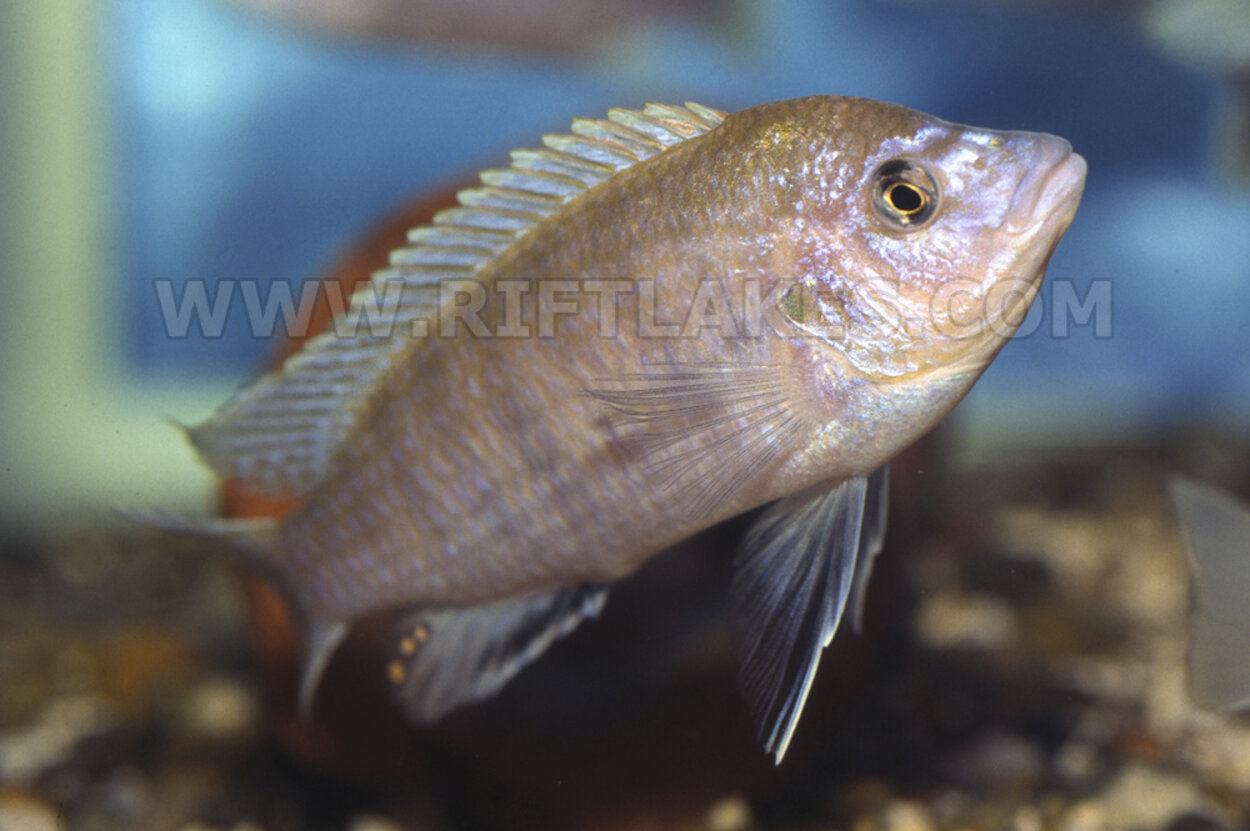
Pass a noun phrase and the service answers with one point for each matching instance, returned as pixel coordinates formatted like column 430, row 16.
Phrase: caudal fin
column 1218, row 529
column 255, row 542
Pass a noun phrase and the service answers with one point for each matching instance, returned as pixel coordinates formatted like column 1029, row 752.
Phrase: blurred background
column 199, row 141
column 153, row 149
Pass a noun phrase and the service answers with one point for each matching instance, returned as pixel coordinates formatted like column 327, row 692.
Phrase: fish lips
column 1047, row 196
column 1042, row 208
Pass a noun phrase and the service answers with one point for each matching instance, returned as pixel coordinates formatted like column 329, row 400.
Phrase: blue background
column 246, row 150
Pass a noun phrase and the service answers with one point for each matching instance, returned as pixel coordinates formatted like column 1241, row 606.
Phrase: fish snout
column 1051, row 187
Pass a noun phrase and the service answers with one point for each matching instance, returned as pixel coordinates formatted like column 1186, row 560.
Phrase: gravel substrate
column 1025, row 670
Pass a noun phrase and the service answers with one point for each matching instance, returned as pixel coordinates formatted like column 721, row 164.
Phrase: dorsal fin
column 280, row 432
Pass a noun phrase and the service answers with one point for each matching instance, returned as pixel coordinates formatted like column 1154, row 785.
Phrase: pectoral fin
column 446, row 658
column 703, row 429
column 793, row 577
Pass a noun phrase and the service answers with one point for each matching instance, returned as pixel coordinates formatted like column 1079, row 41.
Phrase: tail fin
column 255, row 541
column 1218, row 529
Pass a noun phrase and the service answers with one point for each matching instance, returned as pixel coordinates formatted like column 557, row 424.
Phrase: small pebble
column 1086, row 815
column 949, row 806
column 1145, row 798
column 1076, row 762
column 127, row 795
column 733, row 813
column 906, row 816
column 23, row 814
column 28, row 751
column 954, row 621
column 1220, row 749
column 220, row 709
column 1028, row 818
column 1148, row 583
column 998, row 760
column 1119, row 680
column 1068, row 544
column 370, row 822
column 1195, row 821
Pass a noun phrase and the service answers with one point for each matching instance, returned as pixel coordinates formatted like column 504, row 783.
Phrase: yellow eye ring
column 906, row 198
column 904, row 195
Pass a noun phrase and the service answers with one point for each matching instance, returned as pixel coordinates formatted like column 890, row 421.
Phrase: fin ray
column 792, row 580
column 738, row 413
column 871, row 539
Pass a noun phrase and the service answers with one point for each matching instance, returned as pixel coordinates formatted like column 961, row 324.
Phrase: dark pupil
column 905, row 198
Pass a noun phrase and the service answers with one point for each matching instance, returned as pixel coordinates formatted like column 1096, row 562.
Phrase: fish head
column 922, row 244
column 931, row 240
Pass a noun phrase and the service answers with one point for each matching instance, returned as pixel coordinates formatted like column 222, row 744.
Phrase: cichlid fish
column 1217, row 528
column 661, row 320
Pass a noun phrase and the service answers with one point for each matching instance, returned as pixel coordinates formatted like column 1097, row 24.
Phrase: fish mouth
column 1047, row 197
column 1042, row 208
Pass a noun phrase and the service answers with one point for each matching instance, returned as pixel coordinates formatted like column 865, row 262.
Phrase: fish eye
column 904, row 195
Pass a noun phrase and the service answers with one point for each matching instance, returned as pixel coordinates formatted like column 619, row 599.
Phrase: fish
column 657, row 321
column 1216, row 526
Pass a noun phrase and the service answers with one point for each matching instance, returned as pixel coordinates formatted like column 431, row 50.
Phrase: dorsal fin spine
column 587, row 173
column 442, row 256
column 617, row 137
column 536, row 181
column 516, row 201
column 493, row 219
column 709, row 116
column 597, row 152
column 460, row 236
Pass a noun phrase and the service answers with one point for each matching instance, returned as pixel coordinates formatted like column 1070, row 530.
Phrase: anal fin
column 444, row 659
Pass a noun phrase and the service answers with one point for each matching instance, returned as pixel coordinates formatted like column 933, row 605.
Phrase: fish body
column 662, row 320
